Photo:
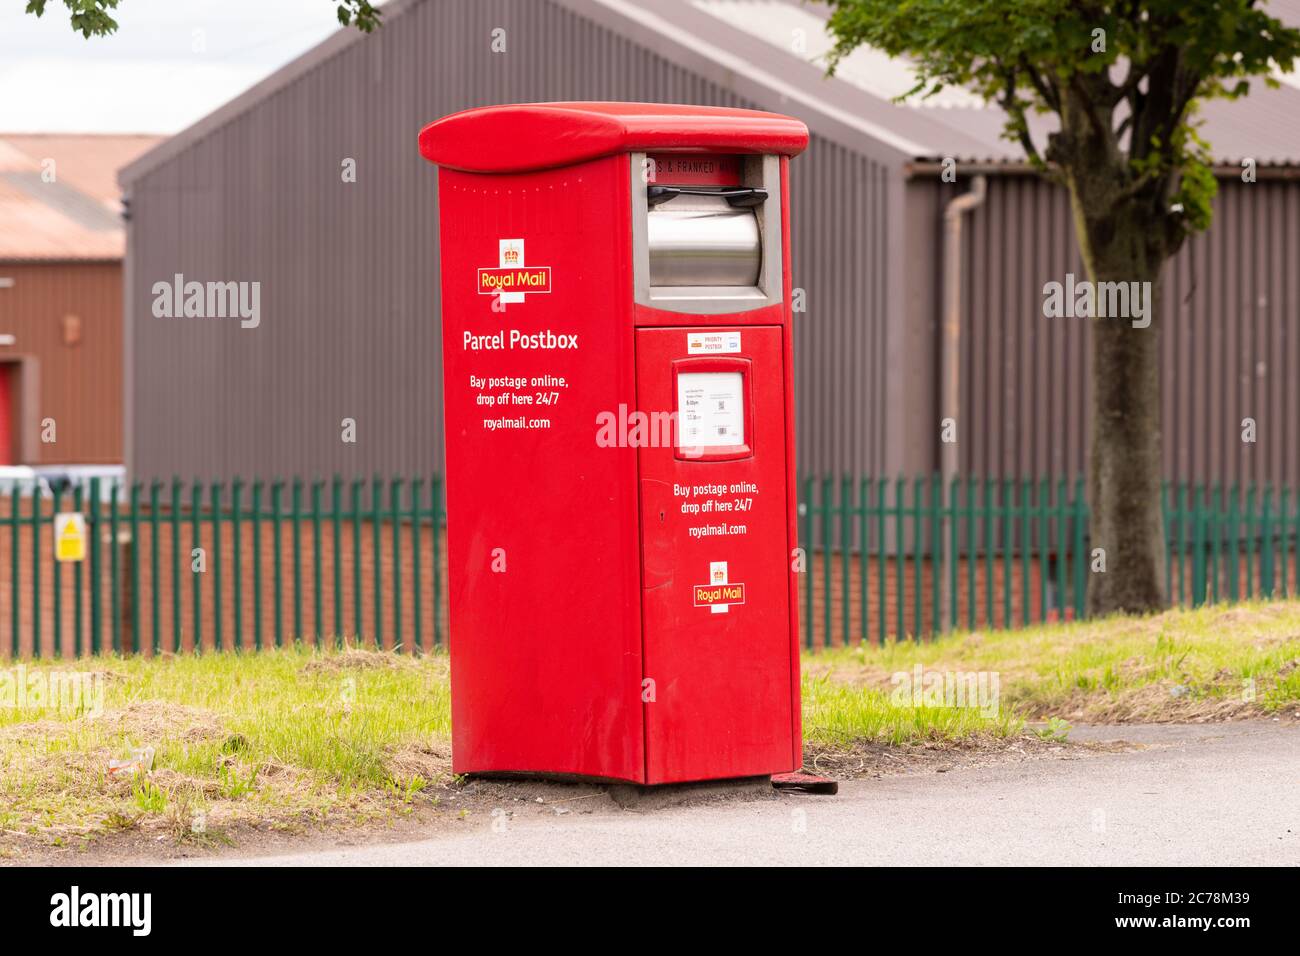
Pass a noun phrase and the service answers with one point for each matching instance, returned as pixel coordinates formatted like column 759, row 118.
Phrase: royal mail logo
column 719, row 594
column 512, row 280
column 521, row 280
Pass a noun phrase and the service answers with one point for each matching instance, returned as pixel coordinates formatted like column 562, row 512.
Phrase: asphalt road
column 1221, row 794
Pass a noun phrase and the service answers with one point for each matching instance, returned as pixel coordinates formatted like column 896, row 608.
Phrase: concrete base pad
column 631, row 796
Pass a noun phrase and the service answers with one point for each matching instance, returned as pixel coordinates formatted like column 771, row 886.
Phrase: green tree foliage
column 1124, row 80
column 94, row 18
column 1127, row 74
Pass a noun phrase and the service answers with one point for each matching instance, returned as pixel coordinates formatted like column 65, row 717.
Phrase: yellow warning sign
column 70, row 536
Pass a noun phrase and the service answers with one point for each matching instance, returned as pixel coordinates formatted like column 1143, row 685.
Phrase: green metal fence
column 200, row 566
column 173, row 566
column 904, row 558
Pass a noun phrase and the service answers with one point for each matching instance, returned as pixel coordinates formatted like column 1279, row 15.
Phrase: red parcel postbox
column 620, row 439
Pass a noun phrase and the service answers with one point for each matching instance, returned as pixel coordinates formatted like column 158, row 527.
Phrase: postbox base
column 654, row 796
column 805, row 783
column 644, row 796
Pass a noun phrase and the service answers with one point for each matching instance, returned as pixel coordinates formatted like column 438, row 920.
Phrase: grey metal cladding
column 349, row 325
column 350, row 279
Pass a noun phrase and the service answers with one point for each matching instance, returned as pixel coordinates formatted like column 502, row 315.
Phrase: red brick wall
column 1284, row 582
column 233, row 566
column 881, row 584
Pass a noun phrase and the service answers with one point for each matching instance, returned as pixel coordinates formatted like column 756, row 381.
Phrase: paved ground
column 1222, row 794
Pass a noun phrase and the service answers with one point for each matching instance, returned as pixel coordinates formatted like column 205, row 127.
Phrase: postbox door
column 714, row 552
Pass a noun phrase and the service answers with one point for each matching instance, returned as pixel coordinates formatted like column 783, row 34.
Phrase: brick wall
column 297, row 590
column 238, row 569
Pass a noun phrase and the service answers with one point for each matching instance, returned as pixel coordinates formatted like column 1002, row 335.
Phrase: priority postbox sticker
column 712, row 343
column 512, row 279
column 720, row 593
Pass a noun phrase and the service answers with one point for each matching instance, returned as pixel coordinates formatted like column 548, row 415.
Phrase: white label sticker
column 718, row 575
column 710, row 409
column 712, row 343
column 510, row 254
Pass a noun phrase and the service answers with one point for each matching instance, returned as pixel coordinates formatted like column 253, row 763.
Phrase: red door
column 6, row 417
column 714, row 531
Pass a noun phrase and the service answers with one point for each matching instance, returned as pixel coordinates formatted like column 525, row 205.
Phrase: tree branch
column 1045, row 87
column 1089, row 108
column 1136, row 74
column 1135, row 186
column 1016, row 111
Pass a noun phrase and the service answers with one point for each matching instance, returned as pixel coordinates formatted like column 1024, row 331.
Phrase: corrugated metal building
column 348, row 270
column 61, row 246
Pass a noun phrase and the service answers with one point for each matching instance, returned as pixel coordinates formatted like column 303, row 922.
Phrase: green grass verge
column 842, row 714
column 1205, row 664
column 296, row 737
column 282, row 738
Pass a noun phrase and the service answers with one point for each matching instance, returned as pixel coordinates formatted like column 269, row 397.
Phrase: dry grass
column 282, row 740
column 875, row 759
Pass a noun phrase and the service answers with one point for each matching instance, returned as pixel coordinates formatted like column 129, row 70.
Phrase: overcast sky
column 170, row 63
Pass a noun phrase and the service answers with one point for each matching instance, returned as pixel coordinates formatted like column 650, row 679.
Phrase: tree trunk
column 1125, row 468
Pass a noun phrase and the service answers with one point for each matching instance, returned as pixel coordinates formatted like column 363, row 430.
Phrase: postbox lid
column 515, row 138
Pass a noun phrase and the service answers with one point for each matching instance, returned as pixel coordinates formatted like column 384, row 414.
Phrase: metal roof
column 769, row 52
column 1262, row 126
column 58, row 199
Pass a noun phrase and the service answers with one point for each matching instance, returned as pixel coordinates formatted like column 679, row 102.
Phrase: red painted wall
column 6, row 417
column 66, row 318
